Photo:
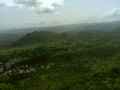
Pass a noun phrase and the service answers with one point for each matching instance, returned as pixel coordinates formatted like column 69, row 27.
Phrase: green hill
column 36, row 37
column 73, row 36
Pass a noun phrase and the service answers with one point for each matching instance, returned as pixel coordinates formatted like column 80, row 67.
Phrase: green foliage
column 74, row 61
column 6, row 87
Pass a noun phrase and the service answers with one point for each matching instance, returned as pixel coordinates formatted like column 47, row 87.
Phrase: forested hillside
column 112, row 36
column 75, row 60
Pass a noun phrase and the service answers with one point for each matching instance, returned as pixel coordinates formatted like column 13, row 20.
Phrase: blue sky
column 27, row 13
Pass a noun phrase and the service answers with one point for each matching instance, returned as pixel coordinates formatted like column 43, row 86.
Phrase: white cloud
column 40, row 6
column 113, row 12
column 109, row 16
column 112, row 15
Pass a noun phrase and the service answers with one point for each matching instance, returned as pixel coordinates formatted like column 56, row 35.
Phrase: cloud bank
column 109, row 16
column 112, row 15
column 40, row 6
column 113, row 12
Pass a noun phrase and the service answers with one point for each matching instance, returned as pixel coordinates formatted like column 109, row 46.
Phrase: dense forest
column 71, row 60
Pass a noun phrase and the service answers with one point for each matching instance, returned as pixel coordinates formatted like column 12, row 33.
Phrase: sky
column 29, row 13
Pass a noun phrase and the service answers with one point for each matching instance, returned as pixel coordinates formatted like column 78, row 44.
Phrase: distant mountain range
column 109, row 31
column 106, row 26
column 83, row 36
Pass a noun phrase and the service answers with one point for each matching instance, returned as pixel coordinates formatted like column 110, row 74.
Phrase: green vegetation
column 84, row 60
